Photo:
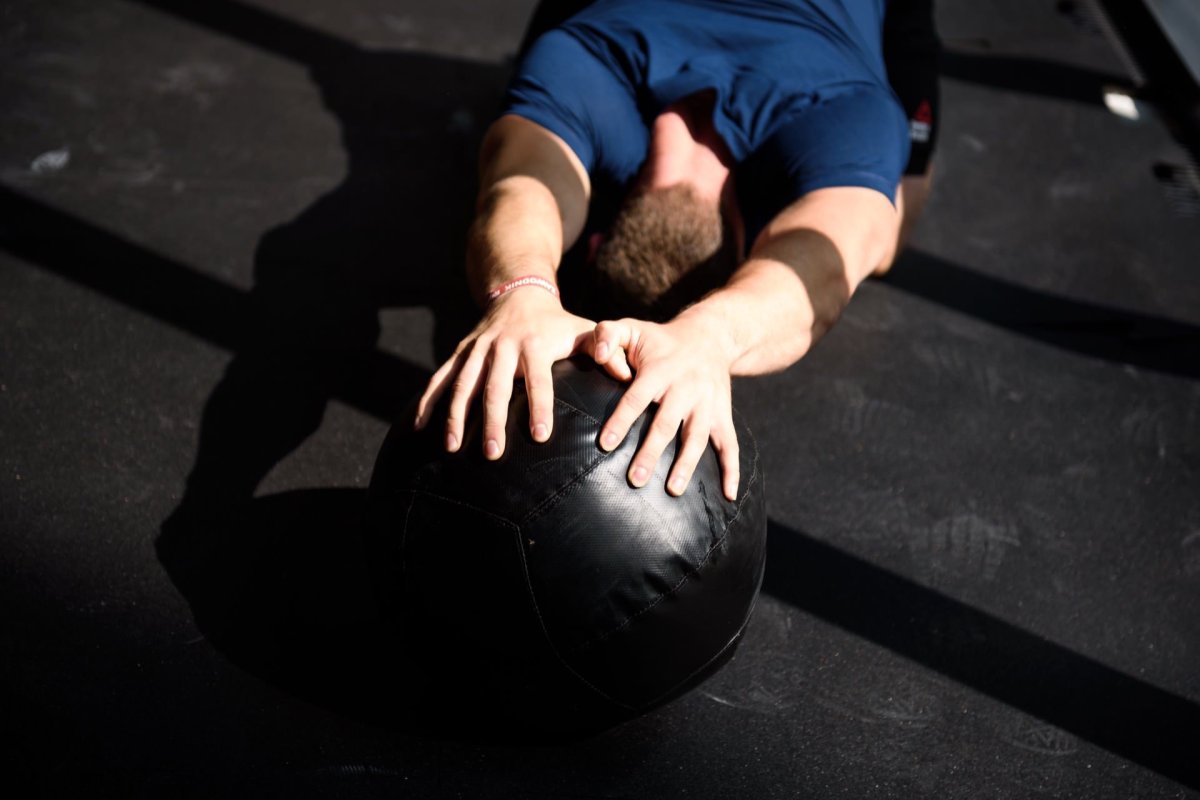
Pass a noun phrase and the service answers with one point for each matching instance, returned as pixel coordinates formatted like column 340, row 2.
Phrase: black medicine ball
column 543, row 587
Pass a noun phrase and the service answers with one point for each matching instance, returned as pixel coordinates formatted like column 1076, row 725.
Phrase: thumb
column 612, row 343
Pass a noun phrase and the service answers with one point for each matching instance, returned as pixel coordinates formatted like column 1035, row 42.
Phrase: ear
column 594, row 243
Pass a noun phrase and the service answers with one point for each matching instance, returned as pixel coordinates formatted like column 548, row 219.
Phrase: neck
column 686, row 148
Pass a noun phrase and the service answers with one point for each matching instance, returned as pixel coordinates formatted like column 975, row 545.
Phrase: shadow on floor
column 282, row 587
column 278, row 582
column 1118, row 712
column 1140, row 340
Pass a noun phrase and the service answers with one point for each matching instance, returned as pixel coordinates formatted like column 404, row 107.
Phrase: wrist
column 523, row 301
column 522, row 282
column 707, row 321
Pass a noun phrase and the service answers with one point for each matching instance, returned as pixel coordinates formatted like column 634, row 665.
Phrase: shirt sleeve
column 562, row 86
column 857, row 137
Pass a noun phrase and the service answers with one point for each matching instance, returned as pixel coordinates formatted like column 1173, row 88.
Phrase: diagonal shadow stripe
column 1126, row 337
column 1127, row 716
column 1030, row 75
column 258, row 28
column 170, row 291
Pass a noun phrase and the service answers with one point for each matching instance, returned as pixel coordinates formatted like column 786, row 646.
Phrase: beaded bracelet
column 517, row 283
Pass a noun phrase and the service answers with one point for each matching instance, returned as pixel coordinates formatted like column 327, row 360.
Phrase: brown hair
column 666, row 249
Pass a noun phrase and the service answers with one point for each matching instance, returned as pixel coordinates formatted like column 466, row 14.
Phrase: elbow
column 911, row 197
column 884, row 245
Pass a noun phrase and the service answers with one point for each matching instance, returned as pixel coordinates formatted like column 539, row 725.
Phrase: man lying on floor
column 732, row 172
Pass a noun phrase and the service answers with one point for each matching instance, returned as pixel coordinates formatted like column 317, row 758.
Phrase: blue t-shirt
column 802, row 97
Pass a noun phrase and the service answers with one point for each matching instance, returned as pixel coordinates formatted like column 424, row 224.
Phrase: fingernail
column 608, row 441
column 602, row 351
column 639, row 476
column 540, row 432
column 492, row 449
column 451, row 442
column 676, row 485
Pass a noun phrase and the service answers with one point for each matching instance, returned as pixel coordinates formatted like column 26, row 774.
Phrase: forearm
column 801, row 273
column 517, row 231
column 777, row 304
column 532, row 204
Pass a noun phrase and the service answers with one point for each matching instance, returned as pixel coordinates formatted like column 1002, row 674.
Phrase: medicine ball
column 543, row 587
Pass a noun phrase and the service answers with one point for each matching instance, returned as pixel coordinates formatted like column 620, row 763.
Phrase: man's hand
column 521, row 334
column 684, row 366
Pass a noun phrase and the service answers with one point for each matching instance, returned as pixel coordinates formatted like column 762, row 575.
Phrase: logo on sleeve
column 921, row 124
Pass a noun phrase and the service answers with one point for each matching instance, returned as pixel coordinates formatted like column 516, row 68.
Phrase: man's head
column 677, row 235
column 666, row 248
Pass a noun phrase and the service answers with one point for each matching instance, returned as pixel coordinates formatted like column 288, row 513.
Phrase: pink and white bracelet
column 517, row 283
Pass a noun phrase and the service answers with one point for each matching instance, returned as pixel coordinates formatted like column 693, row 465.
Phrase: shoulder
column 515, row 145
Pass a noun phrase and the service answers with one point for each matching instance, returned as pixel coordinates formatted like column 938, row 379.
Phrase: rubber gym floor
column 230, row 254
